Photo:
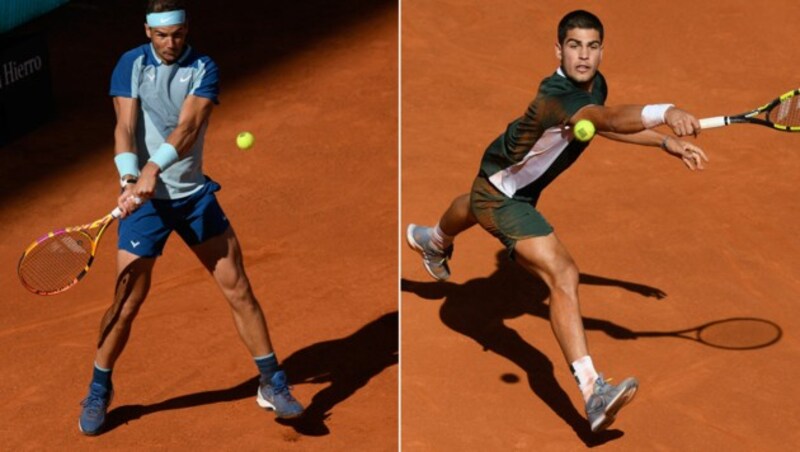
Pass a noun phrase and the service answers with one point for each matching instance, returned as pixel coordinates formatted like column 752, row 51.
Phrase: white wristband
column 127, row 164
column 653, row 115
column 165, row 155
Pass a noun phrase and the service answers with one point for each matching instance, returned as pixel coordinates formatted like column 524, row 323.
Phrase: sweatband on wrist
column 654, row 115
column 166, row 18
column 165, row 155
column 127, row 163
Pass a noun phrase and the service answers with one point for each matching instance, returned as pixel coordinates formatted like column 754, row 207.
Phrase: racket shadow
column 735, row 333
column 347, row 364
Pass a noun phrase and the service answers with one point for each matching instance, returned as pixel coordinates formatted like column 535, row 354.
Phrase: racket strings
column 787, row 113
column 57, row 262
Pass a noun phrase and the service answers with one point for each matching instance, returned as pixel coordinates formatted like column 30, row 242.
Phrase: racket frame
column 100, row 224
column 750, row 116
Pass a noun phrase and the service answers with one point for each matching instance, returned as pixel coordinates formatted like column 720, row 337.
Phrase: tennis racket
column 782, row 113
column 58, row 260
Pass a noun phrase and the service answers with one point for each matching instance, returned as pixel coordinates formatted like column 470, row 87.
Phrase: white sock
column 584, row 372
column 440, row 239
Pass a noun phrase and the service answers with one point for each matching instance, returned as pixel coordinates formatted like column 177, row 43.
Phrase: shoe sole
column 418, row 248
column 265, row 404
column 616, row 404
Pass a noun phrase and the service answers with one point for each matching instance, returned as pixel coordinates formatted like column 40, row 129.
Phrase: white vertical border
column 399, row 223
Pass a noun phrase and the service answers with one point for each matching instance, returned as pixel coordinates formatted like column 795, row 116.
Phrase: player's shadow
column 478, row 308
column 347, row 364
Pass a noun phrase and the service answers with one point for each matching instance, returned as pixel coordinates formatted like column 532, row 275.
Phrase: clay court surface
column 314, row 204
column 660, row 248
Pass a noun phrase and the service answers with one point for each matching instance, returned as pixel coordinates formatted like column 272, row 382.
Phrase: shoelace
column 94, row 403
column 441, row 256
column 602, row 385
column 284, row 391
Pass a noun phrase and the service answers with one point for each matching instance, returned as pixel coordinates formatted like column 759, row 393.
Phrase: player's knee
column 461, row 202
column 239, row 294
column 238, row 285
column 566, row 278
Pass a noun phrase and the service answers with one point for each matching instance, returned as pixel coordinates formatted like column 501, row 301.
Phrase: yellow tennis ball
column 245, row 140
column 583, row 130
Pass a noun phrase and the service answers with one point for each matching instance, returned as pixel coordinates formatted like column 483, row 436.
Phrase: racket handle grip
column 117, row 212
column 716, row 121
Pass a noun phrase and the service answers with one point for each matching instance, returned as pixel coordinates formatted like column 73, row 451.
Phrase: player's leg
column 134, row 275
column 547, row 257
column 207, row 231
column 222, row 256
column 140, row 240
column 457, row 218
column 525, row 231
column 435, row 244
column 133, row 282
column 522, row 229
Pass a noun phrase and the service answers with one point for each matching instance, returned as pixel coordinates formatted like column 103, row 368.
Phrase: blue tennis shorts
column 196, row 218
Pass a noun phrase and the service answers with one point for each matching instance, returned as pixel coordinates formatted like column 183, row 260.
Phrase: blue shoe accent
column 276, row 396
column 95, row 405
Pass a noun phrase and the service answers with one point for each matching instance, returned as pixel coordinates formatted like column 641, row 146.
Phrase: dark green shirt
column 538, row 146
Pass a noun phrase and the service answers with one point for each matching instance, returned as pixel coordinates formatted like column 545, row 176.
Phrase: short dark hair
column 579, row 19
column 160, row 6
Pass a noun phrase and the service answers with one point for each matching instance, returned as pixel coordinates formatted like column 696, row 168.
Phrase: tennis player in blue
column 163, row 93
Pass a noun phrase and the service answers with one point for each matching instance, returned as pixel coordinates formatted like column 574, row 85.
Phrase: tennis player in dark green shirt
column 525, row 159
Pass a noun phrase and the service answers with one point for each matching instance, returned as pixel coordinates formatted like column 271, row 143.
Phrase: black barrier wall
column 26, row 95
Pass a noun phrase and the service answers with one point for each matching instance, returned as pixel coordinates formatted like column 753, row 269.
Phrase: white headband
column 166, row 18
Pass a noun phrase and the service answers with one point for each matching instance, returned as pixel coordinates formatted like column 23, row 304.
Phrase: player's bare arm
column 631, row 118
column 194, row 113
column 126, row 110
column 691, row 155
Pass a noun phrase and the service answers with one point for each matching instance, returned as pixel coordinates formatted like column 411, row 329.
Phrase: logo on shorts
column 135, row 243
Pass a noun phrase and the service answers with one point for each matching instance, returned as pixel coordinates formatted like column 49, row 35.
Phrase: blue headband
column 166, row 18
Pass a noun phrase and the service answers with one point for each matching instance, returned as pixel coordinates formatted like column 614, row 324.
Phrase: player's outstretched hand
column 693, row 157
column 681, row 122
